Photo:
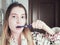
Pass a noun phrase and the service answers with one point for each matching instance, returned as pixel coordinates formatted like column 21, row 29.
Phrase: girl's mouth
column 19, row 26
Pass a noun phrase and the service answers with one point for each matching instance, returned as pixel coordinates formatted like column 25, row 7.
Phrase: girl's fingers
column 37, row 24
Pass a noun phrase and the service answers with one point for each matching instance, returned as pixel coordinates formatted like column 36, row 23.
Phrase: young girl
column 15, row 29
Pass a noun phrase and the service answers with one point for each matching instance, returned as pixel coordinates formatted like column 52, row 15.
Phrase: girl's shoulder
column 36, row 34
column 39, row 38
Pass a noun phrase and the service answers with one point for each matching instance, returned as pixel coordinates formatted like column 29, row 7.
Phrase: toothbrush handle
column 29, row 26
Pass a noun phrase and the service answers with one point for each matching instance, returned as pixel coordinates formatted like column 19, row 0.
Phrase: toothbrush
column 29, row 26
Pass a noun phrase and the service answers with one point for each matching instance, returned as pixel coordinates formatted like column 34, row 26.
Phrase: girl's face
column 17, row 18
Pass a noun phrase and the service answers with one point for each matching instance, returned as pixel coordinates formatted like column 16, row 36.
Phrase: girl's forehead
column 18, row 10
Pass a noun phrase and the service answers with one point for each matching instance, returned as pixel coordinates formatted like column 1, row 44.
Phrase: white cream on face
column 17, row 18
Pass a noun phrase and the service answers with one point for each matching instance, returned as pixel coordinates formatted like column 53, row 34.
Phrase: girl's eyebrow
column 13, row 14
column 23, row 14
column 16, row 14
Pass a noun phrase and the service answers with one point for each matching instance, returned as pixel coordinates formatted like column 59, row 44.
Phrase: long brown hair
column 6, row 30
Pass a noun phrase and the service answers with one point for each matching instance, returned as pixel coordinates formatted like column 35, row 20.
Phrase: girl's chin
column 19, row 30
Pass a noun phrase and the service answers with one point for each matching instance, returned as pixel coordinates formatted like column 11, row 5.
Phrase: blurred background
column 46, row 10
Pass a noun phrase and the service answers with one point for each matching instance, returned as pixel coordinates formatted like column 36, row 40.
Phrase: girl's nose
column 18, row 20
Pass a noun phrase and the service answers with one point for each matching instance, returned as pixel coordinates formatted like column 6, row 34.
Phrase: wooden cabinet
column 46, row 10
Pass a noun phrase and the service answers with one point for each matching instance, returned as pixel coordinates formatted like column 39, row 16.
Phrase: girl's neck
column 16, row 36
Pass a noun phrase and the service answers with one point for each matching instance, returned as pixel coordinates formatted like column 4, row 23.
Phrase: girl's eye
column 22, row 17
column 13, row 16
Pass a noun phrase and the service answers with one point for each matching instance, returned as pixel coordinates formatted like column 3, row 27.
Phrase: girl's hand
column 38, row 24
column 41, row 25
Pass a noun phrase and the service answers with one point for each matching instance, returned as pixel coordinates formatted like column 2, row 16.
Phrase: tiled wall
column 0, row 29
column 0, row 4
column 0, row 17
